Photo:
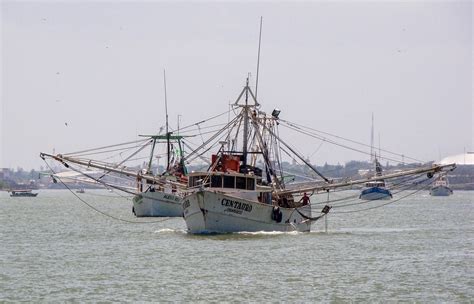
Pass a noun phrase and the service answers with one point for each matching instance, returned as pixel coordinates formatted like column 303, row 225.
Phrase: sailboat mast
column 372, row 140
column 167, row 127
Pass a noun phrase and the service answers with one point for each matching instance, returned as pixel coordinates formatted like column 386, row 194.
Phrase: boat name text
column 236, row 205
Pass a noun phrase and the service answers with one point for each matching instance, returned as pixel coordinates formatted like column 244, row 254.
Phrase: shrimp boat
column 240, row 194
column 162, row 199
column 441, row 186
column 154, row 195
column 232, row 196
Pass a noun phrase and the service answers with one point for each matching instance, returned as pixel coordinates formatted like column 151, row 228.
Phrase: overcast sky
column 98, row 67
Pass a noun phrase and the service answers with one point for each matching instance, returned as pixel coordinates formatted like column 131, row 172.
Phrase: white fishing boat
column 235, row 195
column 441, row 186
column 229, row 201
column 162, row 199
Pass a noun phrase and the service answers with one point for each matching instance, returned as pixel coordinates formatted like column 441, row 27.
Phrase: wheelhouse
column 223, row 180
column 379, row 184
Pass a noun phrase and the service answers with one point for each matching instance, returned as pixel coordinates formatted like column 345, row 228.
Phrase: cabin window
column 250, row 184
column 192, row 181
column 229, row 181
column 216, row 181
column 240, row 182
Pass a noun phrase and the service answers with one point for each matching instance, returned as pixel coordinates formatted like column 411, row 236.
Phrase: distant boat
column 80, row 190
column 376, row 189
column 441, row 186
column 22, row 193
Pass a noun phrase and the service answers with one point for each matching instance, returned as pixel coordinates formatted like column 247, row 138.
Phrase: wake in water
column 170, row 231
column 375, row 230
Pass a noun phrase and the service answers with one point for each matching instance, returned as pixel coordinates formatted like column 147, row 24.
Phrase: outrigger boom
column 94, row 164
column 329, row 186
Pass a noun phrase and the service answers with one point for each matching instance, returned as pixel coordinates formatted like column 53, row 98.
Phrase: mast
column 258, row 56
column 246, row 125
column 167, row 128
column 372, row 140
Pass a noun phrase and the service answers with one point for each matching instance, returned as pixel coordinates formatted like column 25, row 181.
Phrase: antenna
column 167, row 129
column 258, row 57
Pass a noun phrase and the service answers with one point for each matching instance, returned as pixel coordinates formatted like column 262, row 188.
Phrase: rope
column 105, row 147
column 346, row 139
column 202, row 121
column 388, row 203
column 99, row 211
column 394, row 186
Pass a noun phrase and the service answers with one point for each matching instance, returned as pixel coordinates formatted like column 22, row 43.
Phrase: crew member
column 305, row 199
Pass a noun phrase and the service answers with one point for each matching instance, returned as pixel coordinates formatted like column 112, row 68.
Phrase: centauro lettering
column 236, row 205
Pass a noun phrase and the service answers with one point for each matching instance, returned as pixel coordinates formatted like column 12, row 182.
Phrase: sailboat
column 441, row 186
column 376, row 189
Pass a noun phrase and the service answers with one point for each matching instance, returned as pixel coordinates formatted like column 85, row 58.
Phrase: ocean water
column 54, row 248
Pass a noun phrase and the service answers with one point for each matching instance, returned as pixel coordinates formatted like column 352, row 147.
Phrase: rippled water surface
column 55, row 248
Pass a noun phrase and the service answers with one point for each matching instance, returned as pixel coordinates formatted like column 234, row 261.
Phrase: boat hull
column 441, row 191
column 375, row 193
column 157, row 204
column 212, row 212
column 24, row 195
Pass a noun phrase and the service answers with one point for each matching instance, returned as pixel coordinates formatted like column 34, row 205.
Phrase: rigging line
column 200, row 156
column 200, row 133
column 202, row 121
column 105, row 147
column 307, row 176
column 346, row 139
column 340, row 145
column 350, row 198
column 299, row 156
column 130, row 156
column 86, row 181
column 209, row 148
column 101, row 212
column 317, row 149
column 350, row 140
column 211, row 138
column 391, row 202
column 106, row 185
column 204, row 133
column 101, row 152
column 202, row 128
